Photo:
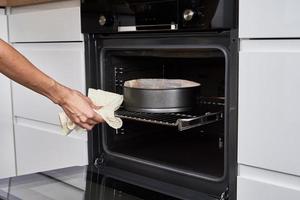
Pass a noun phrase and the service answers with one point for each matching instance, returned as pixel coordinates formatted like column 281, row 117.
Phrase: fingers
column 97, row 118
column 89, row 122
column 92, row 120
column 80, row 109
column 84, row 121
column 92, row 115
column 86, row 126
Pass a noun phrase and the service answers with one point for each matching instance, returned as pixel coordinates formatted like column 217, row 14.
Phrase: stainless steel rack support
column 207, row 118
column 180, row 120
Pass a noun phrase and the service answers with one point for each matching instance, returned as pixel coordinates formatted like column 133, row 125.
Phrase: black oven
column 193, row 40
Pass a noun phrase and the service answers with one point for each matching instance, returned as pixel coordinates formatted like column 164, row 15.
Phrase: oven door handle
column 207, row 118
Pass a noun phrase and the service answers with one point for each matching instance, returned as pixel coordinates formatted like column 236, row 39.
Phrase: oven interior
column 198, row 150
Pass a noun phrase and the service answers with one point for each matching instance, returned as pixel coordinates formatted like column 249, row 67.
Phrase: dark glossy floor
column 74, row 183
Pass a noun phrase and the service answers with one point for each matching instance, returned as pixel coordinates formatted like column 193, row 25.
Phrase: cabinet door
column 258, row 184
column 57, row 21
column 62, row 61
column 7, row 151
column 269, row 96
column 41, row 147
column 3, row 25
column 269, row 19
column 249, row 189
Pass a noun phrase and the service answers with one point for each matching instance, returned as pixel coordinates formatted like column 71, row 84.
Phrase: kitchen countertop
column 74, row 183
column 23, row 2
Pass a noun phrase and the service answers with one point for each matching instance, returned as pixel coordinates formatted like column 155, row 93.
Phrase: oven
column 194, row 40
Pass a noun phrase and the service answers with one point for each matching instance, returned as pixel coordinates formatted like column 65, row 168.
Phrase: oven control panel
column 111, row 16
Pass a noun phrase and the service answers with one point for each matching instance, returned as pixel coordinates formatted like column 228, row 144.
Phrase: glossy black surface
column 75, row 183
column 107, row 16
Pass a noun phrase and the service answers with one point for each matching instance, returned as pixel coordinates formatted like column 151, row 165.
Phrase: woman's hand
column 79, row 108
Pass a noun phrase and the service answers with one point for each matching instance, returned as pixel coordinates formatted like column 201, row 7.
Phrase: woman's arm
column 78, row 107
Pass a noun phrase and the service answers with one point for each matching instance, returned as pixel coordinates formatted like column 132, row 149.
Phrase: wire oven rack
column 183, row 121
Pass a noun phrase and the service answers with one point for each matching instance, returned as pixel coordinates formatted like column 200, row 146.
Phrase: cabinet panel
column 269, row 18
column 62, row 61
column 7, row 151
column 41, row 147
column 269, row 105
column 248, row 189
column 3, row 25
column 59, row 21
column 261, row 184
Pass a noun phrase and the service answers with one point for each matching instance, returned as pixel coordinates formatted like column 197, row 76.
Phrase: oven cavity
column 190, row 142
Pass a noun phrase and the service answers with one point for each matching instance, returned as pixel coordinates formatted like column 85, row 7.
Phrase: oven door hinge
column 225, row 194
column 99, row 161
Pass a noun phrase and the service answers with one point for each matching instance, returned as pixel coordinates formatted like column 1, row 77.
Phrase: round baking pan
column 160, row 95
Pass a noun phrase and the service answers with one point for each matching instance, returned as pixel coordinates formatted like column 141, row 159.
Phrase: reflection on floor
column 56, row 185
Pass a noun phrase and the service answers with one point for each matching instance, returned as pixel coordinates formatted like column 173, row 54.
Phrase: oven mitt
column 109, row 103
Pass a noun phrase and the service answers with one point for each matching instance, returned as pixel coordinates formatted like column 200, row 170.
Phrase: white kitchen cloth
column 109, row 103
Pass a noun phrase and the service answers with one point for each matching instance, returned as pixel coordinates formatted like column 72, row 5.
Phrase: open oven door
column 112, row 184
column 195, row 160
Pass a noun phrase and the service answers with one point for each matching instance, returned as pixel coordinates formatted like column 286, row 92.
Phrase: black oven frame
column 95, row 46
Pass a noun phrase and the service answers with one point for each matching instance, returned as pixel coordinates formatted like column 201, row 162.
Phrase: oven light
column 173, row 27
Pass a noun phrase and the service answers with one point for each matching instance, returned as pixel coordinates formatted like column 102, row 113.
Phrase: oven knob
column 188, row 14
column 102, row 20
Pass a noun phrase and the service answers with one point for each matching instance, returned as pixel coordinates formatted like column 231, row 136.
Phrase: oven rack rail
column 182, row 121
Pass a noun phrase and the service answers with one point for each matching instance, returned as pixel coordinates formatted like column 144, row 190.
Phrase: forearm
column 18, row 68
column 79, row 108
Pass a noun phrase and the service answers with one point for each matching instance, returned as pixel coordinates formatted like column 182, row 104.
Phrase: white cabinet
column 62, row 61
column 3, row 25
column 258, row 184
column 41, row 147
column 49, row 36
column 269, row 97
column 268, row 132
column 58, row 21
column 269, row 19
column 40, row 144
column 7, row 152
